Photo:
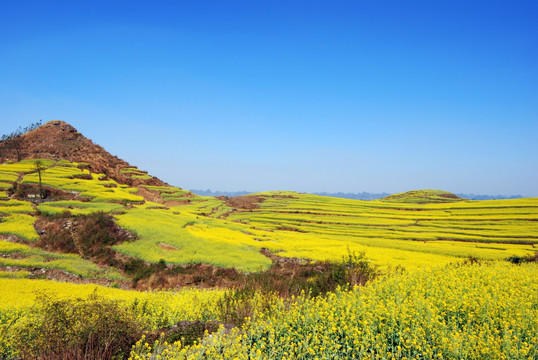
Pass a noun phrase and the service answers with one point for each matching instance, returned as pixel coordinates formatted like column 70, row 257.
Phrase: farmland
column 429, row 301
column 448, row 313
column 318, row 228
column 470, row 311
column 181, row 228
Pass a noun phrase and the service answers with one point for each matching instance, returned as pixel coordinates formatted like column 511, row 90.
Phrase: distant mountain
column 488, row 197
column 219, row 193
column 355, row 196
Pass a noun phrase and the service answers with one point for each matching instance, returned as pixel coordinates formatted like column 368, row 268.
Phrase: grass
column 20, row 306
column 162, row 189
column 142, row 177
column 132, row 170
column 180, row 305
column 465, row 311
column 320, row 228
column 431, row 310
column 23, row 166
column 14, row 274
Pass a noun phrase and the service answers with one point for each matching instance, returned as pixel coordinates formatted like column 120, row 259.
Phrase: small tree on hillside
column 40, row 167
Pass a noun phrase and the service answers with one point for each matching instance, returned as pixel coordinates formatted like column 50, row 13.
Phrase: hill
column 57, row 140
column 426, row 196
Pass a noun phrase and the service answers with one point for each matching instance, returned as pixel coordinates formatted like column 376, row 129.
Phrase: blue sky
column 287, row 95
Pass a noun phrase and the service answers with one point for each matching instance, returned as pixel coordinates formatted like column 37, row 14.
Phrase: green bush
column 94, row 328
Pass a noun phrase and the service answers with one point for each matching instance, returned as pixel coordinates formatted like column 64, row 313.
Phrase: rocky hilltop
column 59, row 140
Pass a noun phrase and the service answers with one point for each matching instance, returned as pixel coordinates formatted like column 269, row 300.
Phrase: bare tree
column 13, row 141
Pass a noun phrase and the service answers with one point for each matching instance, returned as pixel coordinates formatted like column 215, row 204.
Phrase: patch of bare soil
column 245, row 202
column 152, row 196
column 177, row 202
column 192, row 275
column 283, row 272
column 168, row 247
column 31, row 192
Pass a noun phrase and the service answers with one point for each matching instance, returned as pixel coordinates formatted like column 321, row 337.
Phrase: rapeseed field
column 185, row 228
column 426, row 305
column 451, row 312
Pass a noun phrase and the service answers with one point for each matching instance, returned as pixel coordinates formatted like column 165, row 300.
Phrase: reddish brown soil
column 245, row 202
column 168, row 247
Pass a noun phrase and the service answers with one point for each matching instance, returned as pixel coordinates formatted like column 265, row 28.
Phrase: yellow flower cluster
column 20, row 225
column 466, row 312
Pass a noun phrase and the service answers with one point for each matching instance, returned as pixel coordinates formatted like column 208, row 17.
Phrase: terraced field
column 180, row 227
column 18, row 216
column 393, row 233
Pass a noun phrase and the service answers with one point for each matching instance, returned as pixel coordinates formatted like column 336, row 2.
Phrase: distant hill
column 354, row 196
column 219, row 193
column 488, row 197
column 423, row 196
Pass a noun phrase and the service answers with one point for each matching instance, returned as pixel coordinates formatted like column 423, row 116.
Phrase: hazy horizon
column 311, row 97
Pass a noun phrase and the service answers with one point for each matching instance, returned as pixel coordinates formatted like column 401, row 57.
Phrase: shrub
column 94, row 328
column 523, row 259
column 258, row 290
column 88, row 235
column 138, row 269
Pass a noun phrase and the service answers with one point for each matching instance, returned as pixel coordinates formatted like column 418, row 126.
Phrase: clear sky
column 287, row 95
